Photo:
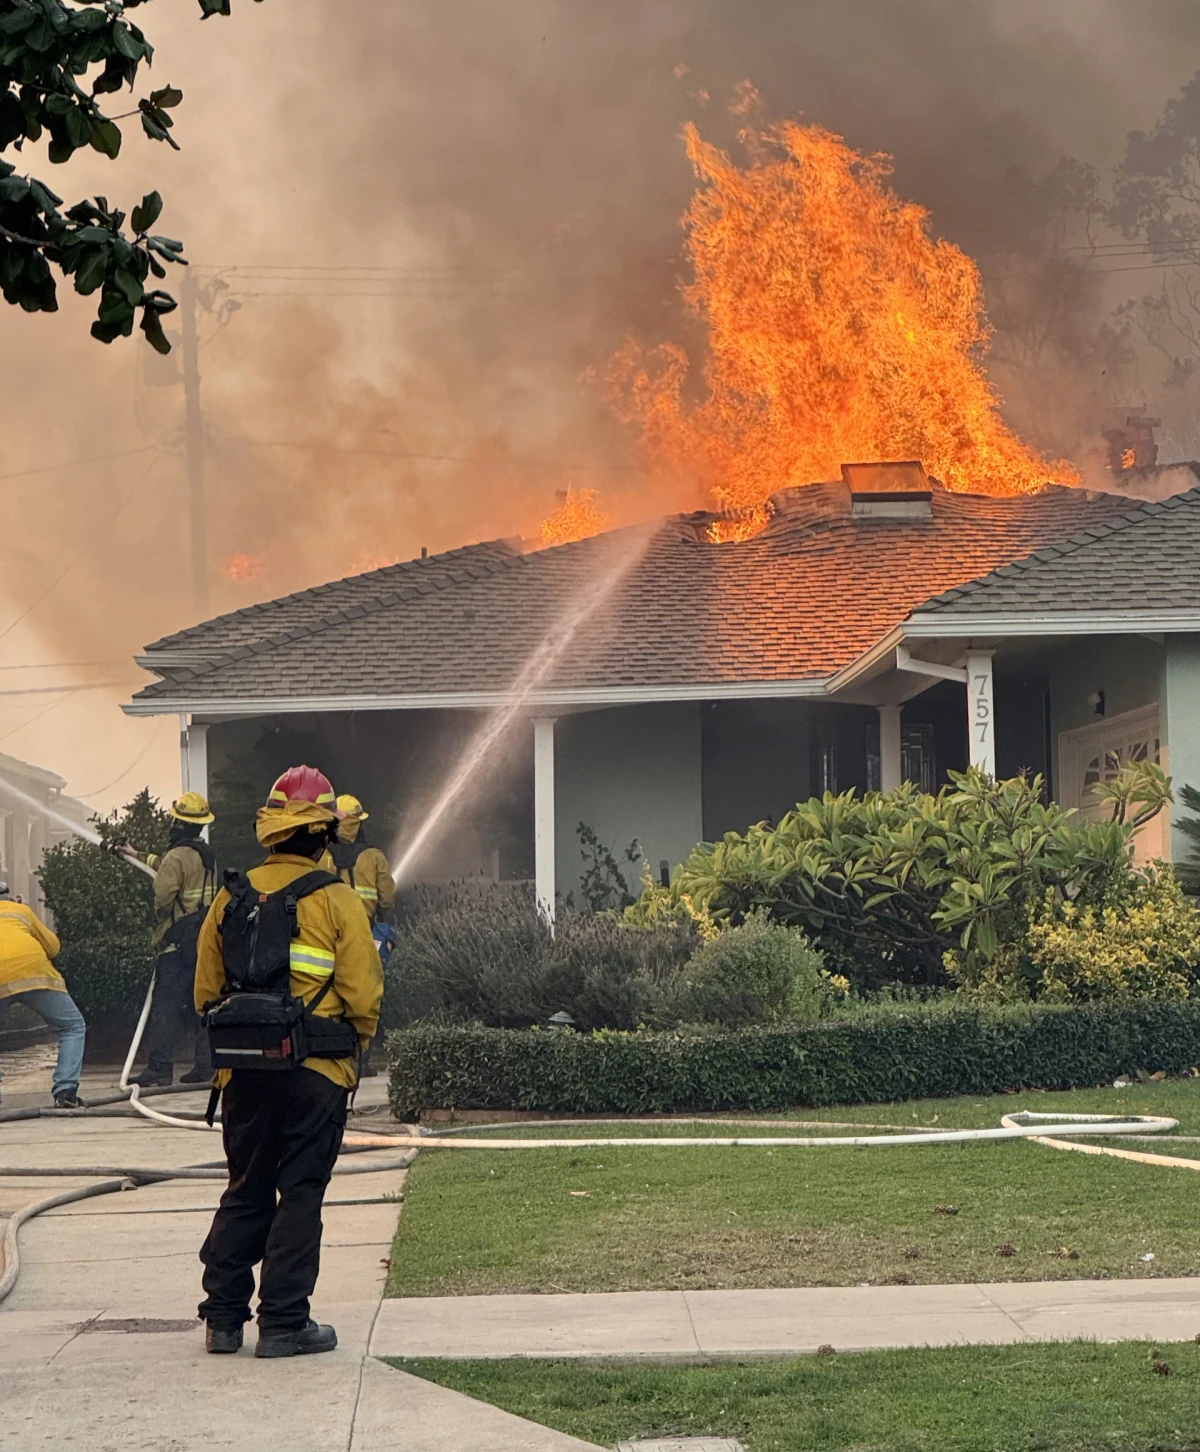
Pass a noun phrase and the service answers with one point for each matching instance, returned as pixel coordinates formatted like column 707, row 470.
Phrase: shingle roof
column 1145, row 560
column 797, row 602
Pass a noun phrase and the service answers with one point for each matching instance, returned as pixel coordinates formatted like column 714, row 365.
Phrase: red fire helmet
column 304, row 784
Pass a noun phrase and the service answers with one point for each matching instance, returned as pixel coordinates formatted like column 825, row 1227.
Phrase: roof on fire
column 796, row 603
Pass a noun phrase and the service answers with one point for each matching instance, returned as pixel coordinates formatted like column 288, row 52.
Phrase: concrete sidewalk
column 689, row 1324
column 100, row 1348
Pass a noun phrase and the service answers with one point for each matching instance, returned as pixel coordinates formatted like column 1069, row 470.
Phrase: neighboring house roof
column 1145, row 562
column 793, row 604
column 25, row 771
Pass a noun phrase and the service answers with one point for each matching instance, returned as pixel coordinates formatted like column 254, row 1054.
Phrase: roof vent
column 890, row 490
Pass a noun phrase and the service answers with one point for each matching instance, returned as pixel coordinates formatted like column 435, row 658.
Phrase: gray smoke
column 513, row 174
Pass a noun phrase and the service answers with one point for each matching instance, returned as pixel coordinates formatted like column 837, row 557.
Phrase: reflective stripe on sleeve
column 369, row 893
column 315, row 962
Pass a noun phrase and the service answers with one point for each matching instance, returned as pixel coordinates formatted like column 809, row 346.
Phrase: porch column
column 889, row 747
column 981, row 714
column 543, row 814
column 193, row 747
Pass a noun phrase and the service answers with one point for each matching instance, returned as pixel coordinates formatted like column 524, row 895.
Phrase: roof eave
column 479, row 700
column 924, row 624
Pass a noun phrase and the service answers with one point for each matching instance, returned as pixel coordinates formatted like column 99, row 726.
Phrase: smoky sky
column 436, row 217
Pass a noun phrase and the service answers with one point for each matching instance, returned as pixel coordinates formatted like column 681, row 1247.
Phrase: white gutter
column 925, row 625
column 478, row 700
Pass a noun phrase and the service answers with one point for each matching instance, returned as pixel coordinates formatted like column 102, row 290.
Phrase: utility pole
column 194, row 449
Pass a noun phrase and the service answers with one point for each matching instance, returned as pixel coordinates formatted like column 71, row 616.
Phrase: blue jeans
column 60, row 1013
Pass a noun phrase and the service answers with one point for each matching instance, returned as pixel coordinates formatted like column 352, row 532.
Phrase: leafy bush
column 887, row 885
column 1148, row 947
column 757, row 972
column 602, row 880
column 104, row 913
column 490, row 956
column 867, row 1057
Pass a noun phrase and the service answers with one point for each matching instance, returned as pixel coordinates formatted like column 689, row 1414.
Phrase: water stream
column 632, row 545
column 87, row 834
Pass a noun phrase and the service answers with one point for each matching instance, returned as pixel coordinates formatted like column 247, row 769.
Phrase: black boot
column 306, row 1342
column 196, row 1075
column 221, row 1342
column 154, row 1076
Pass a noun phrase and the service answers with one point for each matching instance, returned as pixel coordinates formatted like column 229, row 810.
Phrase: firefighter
column 185, row 884
column 364, row 867
column 283, row 1127
column 369, row 873
column 28, row 976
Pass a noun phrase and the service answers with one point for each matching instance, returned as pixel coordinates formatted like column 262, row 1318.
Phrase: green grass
column 478, row 1222
column 1058, row 1398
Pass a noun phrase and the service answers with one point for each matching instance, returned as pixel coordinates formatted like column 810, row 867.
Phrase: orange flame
column 1128, row 458
column 578, row 516
column 241, row 568
column 839, row 330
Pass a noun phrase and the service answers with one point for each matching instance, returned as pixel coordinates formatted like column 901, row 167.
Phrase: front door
column 1095, row 754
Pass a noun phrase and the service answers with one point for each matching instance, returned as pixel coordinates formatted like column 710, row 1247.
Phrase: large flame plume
column 838, row 330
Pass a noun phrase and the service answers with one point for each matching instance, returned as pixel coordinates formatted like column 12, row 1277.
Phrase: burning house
column 879, row 628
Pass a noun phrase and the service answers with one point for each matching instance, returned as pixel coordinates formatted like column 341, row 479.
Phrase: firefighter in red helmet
column 289, row 939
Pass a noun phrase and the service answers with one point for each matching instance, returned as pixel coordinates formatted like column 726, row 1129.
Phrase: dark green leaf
column 107, row 138
column 152, row 327
column 144, row 216
column 126, row 43
column 169, row 96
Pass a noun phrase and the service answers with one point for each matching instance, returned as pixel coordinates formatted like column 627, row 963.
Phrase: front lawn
column 1058, row 1398
column 479, row 1222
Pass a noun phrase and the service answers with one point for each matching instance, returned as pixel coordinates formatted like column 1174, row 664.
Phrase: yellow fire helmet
column 192, row 807
column 352, row 808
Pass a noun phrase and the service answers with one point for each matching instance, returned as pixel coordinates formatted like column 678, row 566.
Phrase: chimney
column 892, row 489
column 1129, row 434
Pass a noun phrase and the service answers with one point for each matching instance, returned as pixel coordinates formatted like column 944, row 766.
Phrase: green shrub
column 876, row 1056
column 757, row 972
column 887, row 885
column 104, row 914
column 489, row 956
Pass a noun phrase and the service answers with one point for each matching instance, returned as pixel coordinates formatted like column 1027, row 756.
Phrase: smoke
column 436, row 216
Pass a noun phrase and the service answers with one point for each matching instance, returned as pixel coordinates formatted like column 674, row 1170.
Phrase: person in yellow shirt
column 283, row 1126
column 28, row 976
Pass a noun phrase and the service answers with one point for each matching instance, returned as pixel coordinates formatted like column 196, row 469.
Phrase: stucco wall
column 633, row 771
column 1181, row 718
column 1127, row 668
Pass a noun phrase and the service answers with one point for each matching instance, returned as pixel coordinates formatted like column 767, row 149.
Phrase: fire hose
column 1017, row 1125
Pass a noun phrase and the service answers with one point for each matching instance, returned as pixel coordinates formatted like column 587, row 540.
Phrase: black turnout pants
column 282, row 1131
column 173, row 1017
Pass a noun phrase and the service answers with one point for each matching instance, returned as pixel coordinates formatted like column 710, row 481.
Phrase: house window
column 918, row 759
column 826, row 769
column 918, row 762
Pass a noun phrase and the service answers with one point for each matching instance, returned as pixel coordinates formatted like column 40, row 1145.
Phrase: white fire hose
column 1021, row 1124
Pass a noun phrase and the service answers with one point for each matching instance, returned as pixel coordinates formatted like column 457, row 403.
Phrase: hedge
column 922, row 1051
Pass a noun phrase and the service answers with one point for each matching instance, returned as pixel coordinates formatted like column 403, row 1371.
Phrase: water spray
column 85, row 834
column 632, row 545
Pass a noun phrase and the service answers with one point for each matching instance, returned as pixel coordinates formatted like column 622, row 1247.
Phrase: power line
column 439, row 458
column 99, row 791
column 61, row 665
column 50, row 690
column 58, row 579
column 77, row 463
column 53, row 706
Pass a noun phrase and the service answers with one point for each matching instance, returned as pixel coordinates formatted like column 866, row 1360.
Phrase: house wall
column 1180, row 719
column 1127, row 668
column 633, row 771
column 757, row 761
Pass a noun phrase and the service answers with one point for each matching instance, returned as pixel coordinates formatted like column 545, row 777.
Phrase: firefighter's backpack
column 258, row 1023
